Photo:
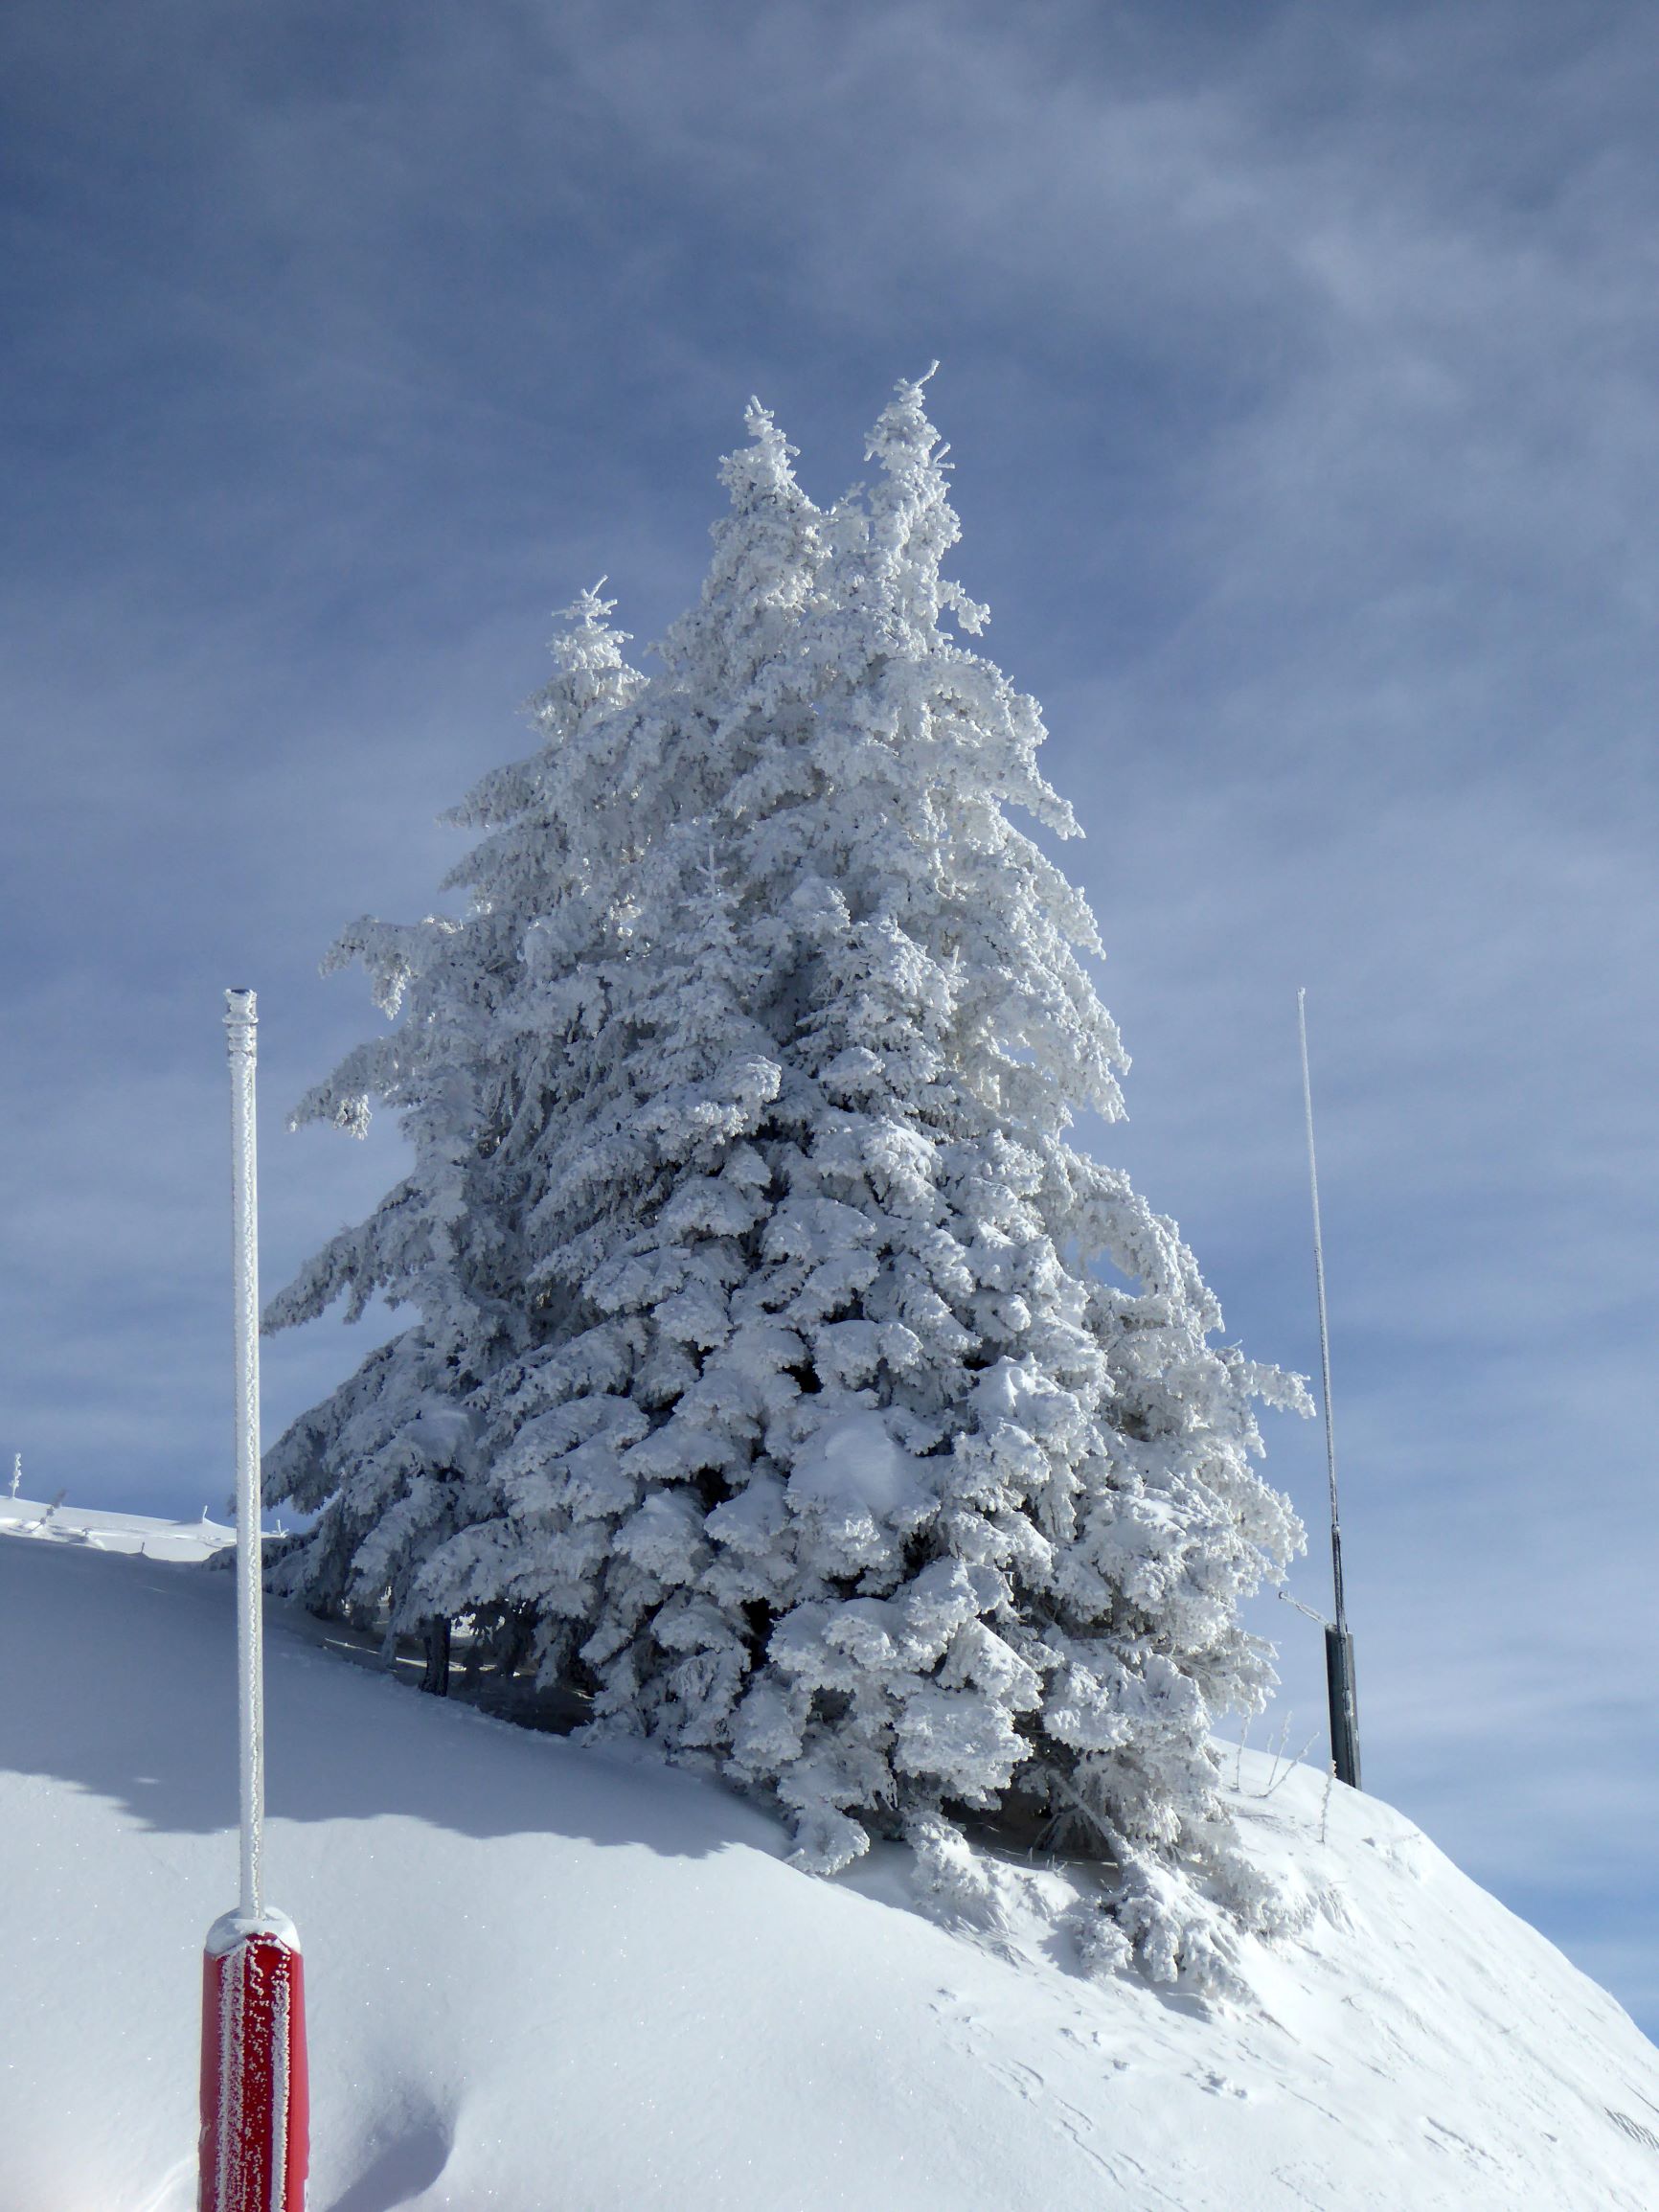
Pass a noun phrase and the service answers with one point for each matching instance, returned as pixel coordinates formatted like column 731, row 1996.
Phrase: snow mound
column 114, row 1532
column 852, row 1469
column 542, row 1975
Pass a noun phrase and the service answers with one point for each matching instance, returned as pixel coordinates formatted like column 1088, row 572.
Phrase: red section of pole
column 255, row 2104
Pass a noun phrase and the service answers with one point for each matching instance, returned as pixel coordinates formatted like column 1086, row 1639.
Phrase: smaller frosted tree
column 447, row 1240
column 832, row 1418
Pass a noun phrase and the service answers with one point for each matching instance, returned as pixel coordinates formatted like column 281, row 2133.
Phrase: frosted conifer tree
column 832, row 1416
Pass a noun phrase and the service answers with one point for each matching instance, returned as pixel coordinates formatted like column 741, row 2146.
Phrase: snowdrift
column 551, row 1980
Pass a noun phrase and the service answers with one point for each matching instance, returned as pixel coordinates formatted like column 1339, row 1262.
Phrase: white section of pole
column 241, row 1023
column 1324, row 1325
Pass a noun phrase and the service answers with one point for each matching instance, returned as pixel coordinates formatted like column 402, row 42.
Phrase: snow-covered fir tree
column 781, row 1368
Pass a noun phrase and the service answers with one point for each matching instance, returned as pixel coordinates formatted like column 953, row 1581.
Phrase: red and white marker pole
column 255, row 2118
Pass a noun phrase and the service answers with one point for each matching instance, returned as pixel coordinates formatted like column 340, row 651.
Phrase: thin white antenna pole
column 1338, row 1643
column 1324, row 1324
column 241, row 1023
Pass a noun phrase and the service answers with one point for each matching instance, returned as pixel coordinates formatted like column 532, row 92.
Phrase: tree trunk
column 435, row 1678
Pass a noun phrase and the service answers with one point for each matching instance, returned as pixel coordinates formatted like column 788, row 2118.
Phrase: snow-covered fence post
column 254, row 2115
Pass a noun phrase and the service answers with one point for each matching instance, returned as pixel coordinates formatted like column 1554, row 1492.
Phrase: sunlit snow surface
column 114, row 1532
column 546, row 1978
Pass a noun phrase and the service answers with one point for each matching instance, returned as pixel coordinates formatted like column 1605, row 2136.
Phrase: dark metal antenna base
column 1343, row 1704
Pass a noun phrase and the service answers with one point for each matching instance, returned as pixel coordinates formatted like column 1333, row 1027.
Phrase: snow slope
column 545, row 1978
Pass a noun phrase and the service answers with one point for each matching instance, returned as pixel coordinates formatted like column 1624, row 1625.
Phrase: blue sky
column 1299, row 365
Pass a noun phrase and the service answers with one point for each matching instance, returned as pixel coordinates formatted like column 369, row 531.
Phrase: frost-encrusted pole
column 1338, row 1642
column 242, row 1030
column 255, row 2133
